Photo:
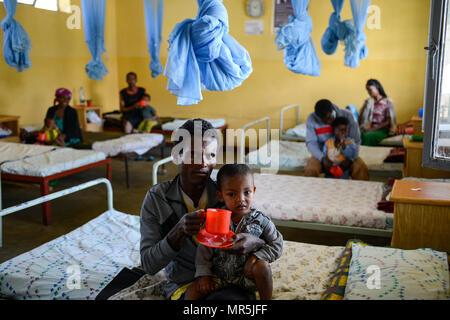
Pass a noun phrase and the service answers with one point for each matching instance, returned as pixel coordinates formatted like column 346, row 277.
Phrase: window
column 436, row 151
column 53, row 5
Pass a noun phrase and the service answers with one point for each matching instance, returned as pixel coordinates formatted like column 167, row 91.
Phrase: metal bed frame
column 283, row 135
column 384, row 233
column 52, row 196
column 45, row 182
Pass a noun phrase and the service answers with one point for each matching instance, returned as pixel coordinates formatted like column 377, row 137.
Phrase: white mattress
column 138, row 143
column 329, row 201
column 56, row 161
column 175, row 124
column 10, row 151
column 100, row 249
column 295, row 155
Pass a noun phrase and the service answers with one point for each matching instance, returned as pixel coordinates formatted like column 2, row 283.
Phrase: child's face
column 50, row 123
column 237, row 192
column 340, row 131
column 147, row 100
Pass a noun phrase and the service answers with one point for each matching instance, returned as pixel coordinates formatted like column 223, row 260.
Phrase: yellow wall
column 58, row 57
column 396, row 58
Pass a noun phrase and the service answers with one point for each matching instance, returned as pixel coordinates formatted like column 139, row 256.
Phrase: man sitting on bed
column 172, row 213
column 319, row 130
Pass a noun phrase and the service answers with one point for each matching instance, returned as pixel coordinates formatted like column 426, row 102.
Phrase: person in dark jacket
column 66, row 118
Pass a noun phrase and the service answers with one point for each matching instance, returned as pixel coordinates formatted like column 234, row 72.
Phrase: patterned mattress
column 102, row 247
column 303, row 272
column 329, row 201
column 139, row 143
column 98, row 250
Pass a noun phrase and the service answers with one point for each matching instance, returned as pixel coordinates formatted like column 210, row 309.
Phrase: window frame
column 58, row 8
column 432, row 101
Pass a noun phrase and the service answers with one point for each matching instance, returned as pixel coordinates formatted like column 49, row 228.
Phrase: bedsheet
column 56, row 161
column 293, row 156
column 303, row 272
column 98, row 250
column 10, row 151
column 138, row 143
column 175, row 124
column 329, row 201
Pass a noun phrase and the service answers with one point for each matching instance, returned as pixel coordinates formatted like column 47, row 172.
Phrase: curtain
column 153, row 10
column 16, row 42
column 355, row 48
column 202, row 55
column 300, row 54
column 337, row 30
column 94, row 34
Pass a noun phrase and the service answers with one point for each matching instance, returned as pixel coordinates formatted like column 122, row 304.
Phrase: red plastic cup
column 143, row 103
column 89, row 103
column 218, row 221
column 336, row 171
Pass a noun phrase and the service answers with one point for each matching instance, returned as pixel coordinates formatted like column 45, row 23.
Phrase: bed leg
column 127, row 176
column 46, row 208
column 109, row 170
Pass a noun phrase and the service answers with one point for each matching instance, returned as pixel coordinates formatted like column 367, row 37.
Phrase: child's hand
column 205, row 284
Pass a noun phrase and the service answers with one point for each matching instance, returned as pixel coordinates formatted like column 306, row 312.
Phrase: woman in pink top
column 377, row 117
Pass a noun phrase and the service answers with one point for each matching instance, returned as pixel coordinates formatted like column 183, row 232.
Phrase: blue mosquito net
column 94, row 34
column 337, row 30
column 356, row 49
column 202, row 55
column 300, row 54
column 153, row 10
column 16, row 42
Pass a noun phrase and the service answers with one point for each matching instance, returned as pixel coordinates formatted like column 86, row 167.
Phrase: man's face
column 329, row 118
column 198, row 173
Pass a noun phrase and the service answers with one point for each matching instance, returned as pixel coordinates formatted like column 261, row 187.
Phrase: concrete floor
column 23, row 231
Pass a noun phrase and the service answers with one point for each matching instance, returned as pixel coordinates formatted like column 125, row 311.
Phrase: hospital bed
column 293, row 156
column 43, row 164
column 118, row 145
column 80, row 264
column 298, row 132
column 332, row 205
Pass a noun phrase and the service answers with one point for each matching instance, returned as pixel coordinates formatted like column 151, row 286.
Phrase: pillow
column 404, row 274
column 338, row 282
column 298, row 131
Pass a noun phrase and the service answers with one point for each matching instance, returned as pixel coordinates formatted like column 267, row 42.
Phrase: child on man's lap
column 216, row 268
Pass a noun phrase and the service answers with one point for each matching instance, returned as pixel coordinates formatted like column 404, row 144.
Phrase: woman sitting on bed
column 377, row 117
column 130, row 99
column 66, row 119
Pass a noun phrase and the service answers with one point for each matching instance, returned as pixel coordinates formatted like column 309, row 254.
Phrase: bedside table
column 421, row 215
column 413, row 162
